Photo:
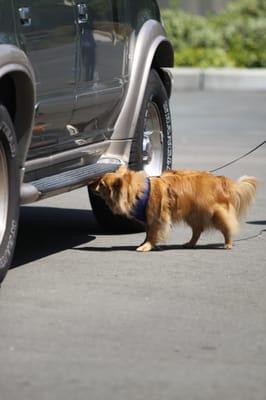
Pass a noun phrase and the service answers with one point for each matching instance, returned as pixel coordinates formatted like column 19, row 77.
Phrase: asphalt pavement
column 84, row 316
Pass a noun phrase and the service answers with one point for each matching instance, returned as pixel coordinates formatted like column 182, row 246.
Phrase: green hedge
column 235, row 38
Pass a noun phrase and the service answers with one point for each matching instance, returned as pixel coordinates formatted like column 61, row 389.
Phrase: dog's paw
column 145, row 247
column 188, row 245
column 228, row 246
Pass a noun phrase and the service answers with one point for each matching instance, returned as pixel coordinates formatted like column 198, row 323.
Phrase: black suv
column 83, row 89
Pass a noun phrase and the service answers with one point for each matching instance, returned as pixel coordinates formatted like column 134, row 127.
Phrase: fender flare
column 15, row 65
column 150, row 39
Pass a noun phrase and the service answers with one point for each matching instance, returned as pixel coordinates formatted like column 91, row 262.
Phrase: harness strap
column 139, row 211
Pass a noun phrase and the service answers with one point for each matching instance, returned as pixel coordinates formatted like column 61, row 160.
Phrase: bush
column 236, row 37
column 203, row 58
column 186, row 30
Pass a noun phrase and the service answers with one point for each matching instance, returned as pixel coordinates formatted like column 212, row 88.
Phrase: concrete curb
column 219, row 79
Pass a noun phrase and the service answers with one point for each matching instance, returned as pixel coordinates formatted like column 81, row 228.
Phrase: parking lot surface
column 84, row 316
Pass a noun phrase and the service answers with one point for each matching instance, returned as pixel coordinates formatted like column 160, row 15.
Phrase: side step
column 63, row 182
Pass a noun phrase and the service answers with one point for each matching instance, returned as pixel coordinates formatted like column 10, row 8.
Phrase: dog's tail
column 243, row 194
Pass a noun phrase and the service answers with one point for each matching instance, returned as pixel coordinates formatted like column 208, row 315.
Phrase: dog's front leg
column 153, row 233
column 146, row 246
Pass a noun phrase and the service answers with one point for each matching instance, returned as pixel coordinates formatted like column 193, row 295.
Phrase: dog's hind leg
column 226, row 222
column 196, row 232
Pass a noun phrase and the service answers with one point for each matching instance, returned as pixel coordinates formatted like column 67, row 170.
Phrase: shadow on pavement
column 215, row 246
column 258, row 234
column 256, row 222
column 44, row 231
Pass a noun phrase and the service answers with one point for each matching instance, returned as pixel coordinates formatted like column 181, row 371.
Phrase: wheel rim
column 3, row 192
column 152, row 148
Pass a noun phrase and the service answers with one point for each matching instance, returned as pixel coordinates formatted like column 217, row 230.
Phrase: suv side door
column 102, row 69
column 47, row 33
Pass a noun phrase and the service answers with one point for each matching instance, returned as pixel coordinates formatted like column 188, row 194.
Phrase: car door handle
column 82, row 13
column 25, row 16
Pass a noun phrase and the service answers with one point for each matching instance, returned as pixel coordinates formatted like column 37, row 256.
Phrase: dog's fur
column 199, row 198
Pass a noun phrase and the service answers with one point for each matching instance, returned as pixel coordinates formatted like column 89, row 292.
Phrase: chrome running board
column 64, row 182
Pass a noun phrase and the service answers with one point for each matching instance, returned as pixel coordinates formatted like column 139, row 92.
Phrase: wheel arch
column 152, row 50
column 163, row 59
column 17, row 94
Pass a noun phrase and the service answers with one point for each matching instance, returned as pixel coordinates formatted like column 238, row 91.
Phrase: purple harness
column 139, row 211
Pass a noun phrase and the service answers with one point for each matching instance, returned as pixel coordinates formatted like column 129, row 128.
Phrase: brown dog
column 199, row 198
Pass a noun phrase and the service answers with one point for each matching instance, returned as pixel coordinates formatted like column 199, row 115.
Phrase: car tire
column 9, row 191
column 152, row 144
column 151, row 150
